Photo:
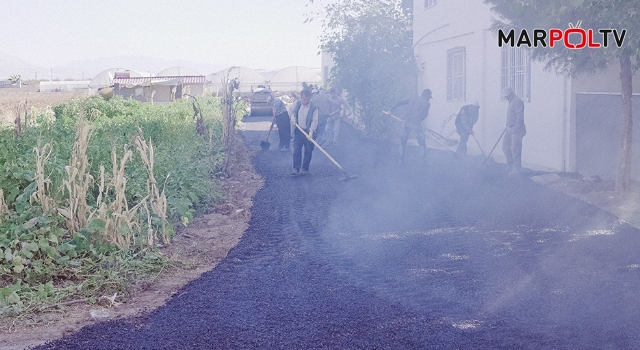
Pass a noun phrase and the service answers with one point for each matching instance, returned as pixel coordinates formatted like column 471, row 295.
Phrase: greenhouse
column 291, row 78
column 105, row 78
column 178, row 72
column 249, row 79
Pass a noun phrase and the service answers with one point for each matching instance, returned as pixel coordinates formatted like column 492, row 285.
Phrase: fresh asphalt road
column 449, row 254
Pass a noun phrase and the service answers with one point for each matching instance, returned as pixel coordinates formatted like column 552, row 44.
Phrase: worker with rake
column 326, row 106
column 514, row 131
column 417, row 110
column 465, row 120
column 282, row 121
column 305, row 115
column 339, row 110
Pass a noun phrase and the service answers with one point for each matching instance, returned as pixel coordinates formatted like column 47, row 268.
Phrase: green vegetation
column 87, row 197
column 371, row 42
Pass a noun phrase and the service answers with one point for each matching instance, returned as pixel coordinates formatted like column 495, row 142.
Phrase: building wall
column 327, row 65
column 596, row 100
column 64, row 86
column 466, row 23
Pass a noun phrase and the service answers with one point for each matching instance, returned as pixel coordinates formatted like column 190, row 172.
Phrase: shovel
column 347, row 176
column 432, row 137
column 494, row 146
column 481, row 150
column 266, row 144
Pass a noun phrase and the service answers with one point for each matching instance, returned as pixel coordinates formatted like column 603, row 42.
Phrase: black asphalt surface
column 445, row 255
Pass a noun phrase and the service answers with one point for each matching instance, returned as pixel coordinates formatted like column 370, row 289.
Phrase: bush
column 102, row 181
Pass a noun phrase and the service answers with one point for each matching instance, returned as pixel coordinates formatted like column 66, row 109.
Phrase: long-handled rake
column 478, row 143
column 494, row 146
column 434, row 138
column 347, row 176
column 266, row 144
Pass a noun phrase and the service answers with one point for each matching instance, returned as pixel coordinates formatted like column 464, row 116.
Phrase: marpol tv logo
column 571, row 38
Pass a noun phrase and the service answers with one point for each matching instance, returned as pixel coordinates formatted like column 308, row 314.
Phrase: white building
column 80, row 86
column 572, row 124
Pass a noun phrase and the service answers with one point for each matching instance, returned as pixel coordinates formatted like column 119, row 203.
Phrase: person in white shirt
column 305, row 114
column 340, row 110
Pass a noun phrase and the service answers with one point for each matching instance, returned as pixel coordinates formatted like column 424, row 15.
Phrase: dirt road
column 443, row 255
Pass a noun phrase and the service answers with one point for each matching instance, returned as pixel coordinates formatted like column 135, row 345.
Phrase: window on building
column 326, row 74
column 429, row 3
column 456, row 74
column 516, row 71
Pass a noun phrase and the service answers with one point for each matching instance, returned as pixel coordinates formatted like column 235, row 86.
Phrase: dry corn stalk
column 173, row 93
column 4, row 209
column 42, row 193
column 18, row 120
column 157, row 200
column 117, row 214
column 151, row 237
column 79, row 179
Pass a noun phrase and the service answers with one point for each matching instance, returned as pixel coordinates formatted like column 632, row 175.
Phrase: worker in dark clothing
column 305, row 114
column 282, row 121
column 514, row 131
column 466, row 119
column 417, row 110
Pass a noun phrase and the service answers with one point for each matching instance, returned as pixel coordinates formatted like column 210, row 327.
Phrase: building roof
column 187, row 79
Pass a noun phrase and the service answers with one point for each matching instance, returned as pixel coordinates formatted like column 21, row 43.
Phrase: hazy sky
column 257, row 34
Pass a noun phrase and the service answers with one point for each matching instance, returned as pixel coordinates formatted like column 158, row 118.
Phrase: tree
column 594, row 14
column 371, row 44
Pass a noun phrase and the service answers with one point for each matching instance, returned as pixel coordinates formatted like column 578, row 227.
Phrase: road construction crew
column 340, row 110
column 417, row 110
column 305, row 115
column 282, row 121
column 466, row 119
column 514, row 131
column 325, row 106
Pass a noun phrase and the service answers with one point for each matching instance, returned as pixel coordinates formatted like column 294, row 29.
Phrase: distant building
column 158, row 88
column 572, row 123
column 6, row 84
column 327, row 65
column 79, row 86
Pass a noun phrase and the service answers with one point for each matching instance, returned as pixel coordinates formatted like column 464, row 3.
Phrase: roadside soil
column 195, row 249
column 39, row 102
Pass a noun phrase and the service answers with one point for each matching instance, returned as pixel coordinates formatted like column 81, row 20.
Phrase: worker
column 340, row 110
column 325, row 106
column 305, row 115
column 514, row 131
column 282, row 121
column 417, row 110
column 465, row 120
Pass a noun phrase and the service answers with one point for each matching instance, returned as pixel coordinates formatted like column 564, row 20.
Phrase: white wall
column 65, row 86
column 466, row 23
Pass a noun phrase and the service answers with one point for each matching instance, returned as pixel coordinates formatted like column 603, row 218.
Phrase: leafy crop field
column 89, row 192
